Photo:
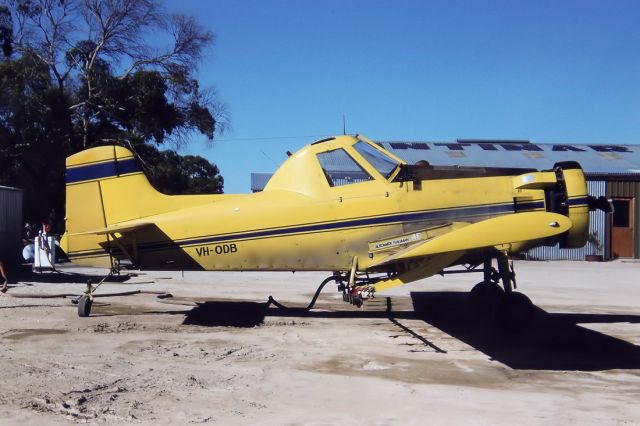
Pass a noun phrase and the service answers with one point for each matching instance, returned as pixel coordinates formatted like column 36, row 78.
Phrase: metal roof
column 599, row 161
column 623, row 159
column 259, row 181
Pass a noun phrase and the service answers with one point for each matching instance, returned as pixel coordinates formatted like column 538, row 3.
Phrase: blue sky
column 546, row 71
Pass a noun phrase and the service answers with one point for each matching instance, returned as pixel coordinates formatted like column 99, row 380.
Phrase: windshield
column 340, row 169
column 384, row 164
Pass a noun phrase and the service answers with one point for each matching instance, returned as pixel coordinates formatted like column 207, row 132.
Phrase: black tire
column 84, row 306
column 515, row 312
column 484, row 297
column 357, row 301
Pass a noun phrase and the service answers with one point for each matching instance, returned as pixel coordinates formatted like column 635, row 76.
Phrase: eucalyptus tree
column 81, row 73
column 86, row 44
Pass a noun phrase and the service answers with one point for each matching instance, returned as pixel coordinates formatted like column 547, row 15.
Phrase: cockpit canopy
column 335, row 162
column 340, row 168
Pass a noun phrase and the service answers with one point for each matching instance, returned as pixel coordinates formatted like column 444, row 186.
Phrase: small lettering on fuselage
column 217, row 249
column 392, row 243
column 397, row 241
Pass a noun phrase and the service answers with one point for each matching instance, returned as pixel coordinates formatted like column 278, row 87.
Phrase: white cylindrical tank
column 44, row 253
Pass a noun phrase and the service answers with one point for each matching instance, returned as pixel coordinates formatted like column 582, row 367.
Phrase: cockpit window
column 384, row 164
column 340, row 169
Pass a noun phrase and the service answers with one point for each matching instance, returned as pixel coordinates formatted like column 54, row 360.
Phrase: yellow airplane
column 342, row 204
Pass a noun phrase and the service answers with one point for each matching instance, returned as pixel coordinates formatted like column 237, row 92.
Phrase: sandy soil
column 411, row 356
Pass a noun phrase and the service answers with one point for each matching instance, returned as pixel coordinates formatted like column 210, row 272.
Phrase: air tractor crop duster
column 343, row 205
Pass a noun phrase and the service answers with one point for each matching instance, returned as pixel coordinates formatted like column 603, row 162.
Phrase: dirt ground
column 414, row 355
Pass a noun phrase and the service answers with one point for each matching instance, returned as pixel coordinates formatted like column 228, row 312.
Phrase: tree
column 91, row 42
column 6, row 31
column 173, row 174
column 35, row 126
column 81, row 73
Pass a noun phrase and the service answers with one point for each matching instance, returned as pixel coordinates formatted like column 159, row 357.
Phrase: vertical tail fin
column 104, row 185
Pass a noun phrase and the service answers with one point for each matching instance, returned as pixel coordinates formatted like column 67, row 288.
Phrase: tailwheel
column 484, row 297
column 84, row 305
column 86, row 300
column 515, row 311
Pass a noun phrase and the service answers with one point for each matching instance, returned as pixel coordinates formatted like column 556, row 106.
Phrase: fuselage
column 325, row 205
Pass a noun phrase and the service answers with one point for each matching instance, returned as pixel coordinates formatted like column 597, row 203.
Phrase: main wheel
column 84, row 306
column 515, row 311
column 484, row 297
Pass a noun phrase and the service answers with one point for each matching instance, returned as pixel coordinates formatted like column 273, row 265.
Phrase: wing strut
column 134, row 258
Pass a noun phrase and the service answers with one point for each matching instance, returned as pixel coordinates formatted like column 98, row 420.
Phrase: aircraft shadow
column 237, row 313
column 554, row 341
column 227, row 314
column 57, row 277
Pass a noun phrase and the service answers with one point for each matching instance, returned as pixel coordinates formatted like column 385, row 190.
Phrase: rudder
column 91, row 178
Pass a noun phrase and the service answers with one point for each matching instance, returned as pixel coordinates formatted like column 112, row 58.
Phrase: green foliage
column 108, row 88
column 171, row 173
column 6, row 31
column 35, row 131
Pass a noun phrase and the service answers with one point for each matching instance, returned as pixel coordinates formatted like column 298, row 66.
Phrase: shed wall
column 10, row 224
column 626, row 189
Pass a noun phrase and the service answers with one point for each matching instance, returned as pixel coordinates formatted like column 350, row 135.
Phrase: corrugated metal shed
column 596, row 160
column 520, row 154
column 259, row 181
column 10, row 224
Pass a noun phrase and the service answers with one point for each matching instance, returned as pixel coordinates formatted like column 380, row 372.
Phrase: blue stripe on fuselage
column 578, row 201
column 432, row 215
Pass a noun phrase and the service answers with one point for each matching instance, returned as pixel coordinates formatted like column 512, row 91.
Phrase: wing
column 135, row 240
column 497, row 231
column 114, row 234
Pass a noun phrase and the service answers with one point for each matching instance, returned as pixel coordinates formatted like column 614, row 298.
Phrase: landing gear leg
column 488, row 270
column 506, row 275
column 488, row 300
column 485, row 296
column 514, row 310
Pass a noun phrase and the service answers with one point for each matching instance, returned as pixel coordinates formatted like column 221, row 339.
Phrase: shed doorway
column 622, row 228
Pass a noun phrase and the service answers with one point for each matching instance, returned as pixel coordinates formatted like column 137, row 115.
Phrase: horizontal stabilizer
column 492, row 232
column 120, row 228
